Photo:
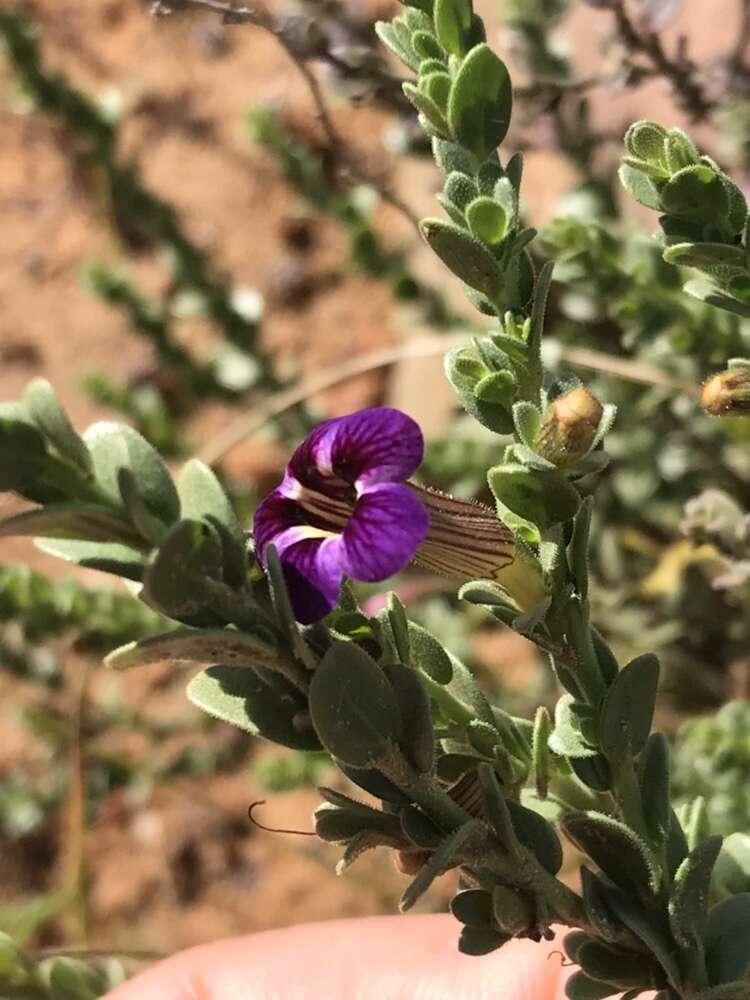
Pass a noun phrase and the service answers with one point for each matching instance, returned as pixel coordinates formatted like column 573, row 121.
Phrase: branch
column 680, row 72
column 261, row 19
column 422, row 347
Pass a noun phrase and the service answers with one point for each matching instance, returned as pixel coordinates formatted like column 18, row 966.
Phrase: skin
column 379, row 958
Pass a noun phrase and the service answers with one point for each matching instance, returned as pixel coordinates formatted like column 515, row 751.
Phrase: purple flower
column 343, row 508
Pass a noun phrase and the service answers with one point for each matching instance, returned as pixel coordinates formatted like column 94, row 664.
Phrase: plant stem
column 586, row 670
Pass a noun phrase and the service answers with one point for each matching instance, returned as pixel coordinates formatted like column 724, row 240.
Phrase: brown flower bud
column 409, row 861
column 728, row 392
column 569, row 427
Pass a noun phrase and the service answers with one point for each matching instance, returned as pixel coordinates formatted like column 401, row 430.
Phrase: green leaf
column 107, row 557
column 419, row 829
column 49, row 416
column 74, row 980
column 114, row 446
column 257, row 701
column 537, row 835
column 727, row 940
column 574, row 734
column 705, row 255
column 453, row 21
column 513, row 911
column 353, row 707
column 732, row 870
column 387, row 35
column 654, row 784
column 581, row 987
column 527, row 419
column 417, row 739
column 338, row 824
column 451, row 157
column 428, row 655
column 178, row 579
column 628, row 709
column 496, row 808
column 679, row 150
column 426, row 46
column 437, row 86
column 216, row 646
column 707, row 292
column 24, row 462
column 614, row 847
column 202, row 497
column 698, row 193
column 688, row 902
column 75, row 521
column 466, row 256
column 597, row 908
column 624, row 969
column 631, row 913
column 460, row 189
column 487, row 220
column 477, row 941
column 473, row 907
column 540, row 752
column 646, row 140
column 399, row 627
column 428, row 107
column 481, row 101
column 450, row 854
column 578, row 550
column 640, row 187
column 541, row 499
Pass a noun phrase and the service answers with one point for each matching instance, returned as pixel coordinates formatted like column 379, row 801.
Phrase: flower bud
column 409, row 861
column 728, row 392
column 569, row 427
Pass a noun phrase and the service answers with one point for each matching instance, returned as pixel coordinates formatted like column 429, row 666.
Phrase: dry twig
column 338, row 144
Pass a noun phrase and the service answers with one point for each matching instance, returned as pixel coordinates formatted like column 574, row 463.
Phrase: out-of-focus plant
column 144, row 222
column 712, row 760
column 24, row 977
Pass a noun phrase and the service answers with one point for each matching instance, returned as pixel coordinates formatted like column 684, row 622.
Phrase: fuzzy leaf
column 640, row 187
column 453, row 21
column 49, row 416
column 353, row 706
column 216, row 646
column 481, row 101
column 614, row 847
column 688, row 903
column 628, row 709
column 487, row 220
column 417, row 739
column 244, row 698
column 466, row 256
column 727, row 940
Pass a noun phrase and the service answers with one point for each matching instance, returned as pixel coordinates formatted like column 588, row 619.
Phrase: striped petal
column 387, row 526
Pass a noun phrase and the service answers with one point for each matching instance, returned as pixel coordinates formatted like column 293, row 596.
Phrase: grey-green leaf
column 628, row 709
column 49, row 416
column 353, row 707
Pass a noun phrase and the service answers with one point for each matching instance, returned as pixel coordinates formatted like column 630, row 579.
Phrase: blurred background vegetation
column 208, row 228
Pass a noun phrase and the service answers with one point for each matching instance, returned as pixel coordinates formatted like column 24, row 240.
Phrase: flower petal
column 388, row 525
column 371, row 446
column 313, row 574
column 274, row 515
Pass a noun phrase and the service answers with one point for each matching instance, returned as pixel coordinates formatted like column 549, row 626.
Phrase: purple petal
column 371, row 446
column 388, row 525
column 273, row 516
column 311, row 559
column 313, row 574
